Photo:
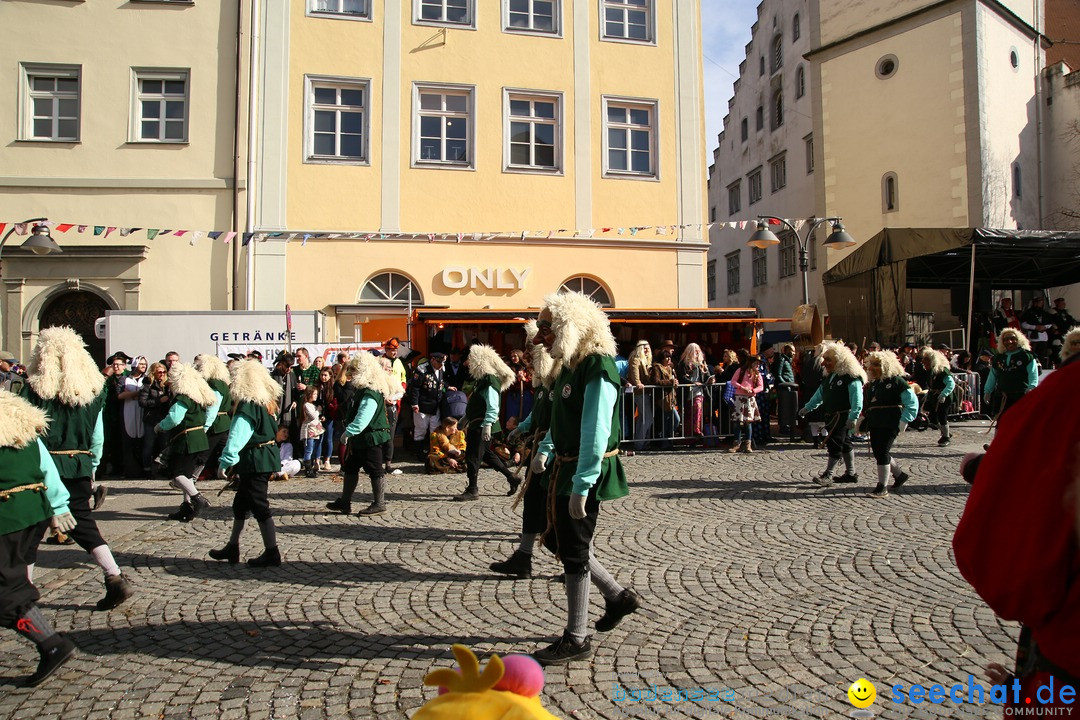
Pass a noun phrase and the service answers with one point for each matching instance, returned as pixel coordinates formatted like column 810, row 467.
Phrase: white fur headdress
column 938, row 362
column 186, row 380
column 212, row 368
column 483, row 360
column 846, row 362
column 1021, row 340
column 890, row 366
column 20, row 422
column 365, row 371
column 251, row 382
column 1066, row 351
column 61, row 368
column 581, row 328
column 545, row 369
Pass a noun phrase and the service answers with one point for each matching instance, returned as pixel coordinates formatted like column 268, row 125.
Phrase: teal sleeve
column 54, row 487
column 814, row 401
column 525, row 425
column 212, row 411
column 240, row 431
column 364, row 414
column 547, row 446
column 175, row 416
column 492, row 401
column 991, row 382
column 600, row 398
column 911, row 405
column 1033, row 373
column 97, row 441
column 854, row 393
column 950, row 385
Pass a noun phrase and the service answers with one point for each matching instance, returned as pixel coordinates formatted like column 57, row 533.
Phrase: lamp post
column 763, row 237
column 40, row 241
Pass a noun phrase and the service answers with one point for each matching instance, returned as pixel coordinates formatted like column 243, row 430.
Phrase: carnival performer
column 1014, row 371
column 1070, row 344
column 939, row 391
column 840, row 397
column 65, row 383
column 367, row 429
column 582, row 449
column 219, row 415
column 32, row 497
column 533, row 429
column 492, row 376
column 252, row 453
column 889, row 404
column 186, row 444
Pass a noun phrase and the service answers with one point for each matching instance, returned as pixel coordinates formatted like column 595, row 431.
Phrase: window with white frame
column 710, row 280
column 753, row 181
column 533, row 133
column 390, row 288
column 732, row 260
column 444, row 125
column 778, row 172
column 787, row 253
column 532, row 16
column 589, row 288
column 628, row 20
column 734, row 197
column 630, row 137
column 337, row 120
column 346, row 8
column 796, row 29
column 758, row 267
column 161, row 106
column 449, row 12
column 890, row 199
column 50, row 107
column 777, row 109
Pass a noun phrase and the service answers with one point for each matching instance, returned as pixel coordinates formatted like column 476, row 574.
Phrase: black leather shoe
column 55, row 651
column 100, row 493
column 848, row 478
column 467, row 495
column 515, row 483
column 340, row 506
column 372, row 509
column 562, row 651
column 615, row 610
column 899, row 481
column 271, row 557
column 184, row 514
column 519, row 565
column 230, row 552
column 117, row 590
column 198, row 505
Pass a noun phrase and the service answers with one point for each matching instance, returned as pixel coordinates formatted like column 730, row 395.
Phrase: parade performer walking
column 941, row 388
column 889, row 404
column 186, row 445
column 219, row 414
column 32, row 497
column 1014, row 372
column 252, row 453
column 533, row 429
column 366, row 431
column 64, row 382
column 582, row 449
column 492, row 377
column 840, row 397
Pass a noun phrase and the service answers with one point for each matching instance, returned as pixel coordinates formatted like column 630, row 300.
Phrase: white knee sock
column 577, row 602
column 30, row 572
column 104, row 558
column 608, row 586
column 187, row 485
column 527, row 542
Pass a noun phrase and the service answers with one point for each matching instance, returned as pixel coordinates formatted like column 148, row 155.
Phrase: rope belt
column 268, row 442
column 885, row 407
column 69, row 453
column 5, row 494
column 181, row 434
column 533, row 444
column 553, row 481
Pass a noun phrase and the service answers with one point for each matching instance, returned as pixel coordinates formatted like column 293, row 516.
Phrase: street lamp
column 763, row 237
column 40, row 241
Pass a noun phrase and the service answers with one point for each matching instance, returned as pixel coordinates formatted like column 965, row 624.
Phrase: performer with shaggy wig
column 252, row 452
column 533, row 429
column 582, row 447
column 1014, row 372
column 840, row 397
column 492, row 377
column 889, row 404
column 186, row 445
column 368, row 429
column 1070, row 344
column 219, row 414
column 32, row 497
column 65, row 382
column 941, row 387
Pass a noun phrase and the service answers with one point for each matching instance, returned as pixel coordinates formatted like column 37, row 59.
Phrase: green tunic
column 1011, row 374
column 883, row 403
column 541, row 411
column 70, row 428
column 189, row 437
column 377, row 431
column 260, row 455
column 937, row 382
column 834, row 394
column 27, row 507
column 567, row 407
column 221, row 423
column 476, row 408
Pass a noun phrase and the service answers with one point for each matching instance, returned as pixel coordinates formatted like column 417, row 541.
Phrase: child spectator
column 311, row 431
column 447, row 452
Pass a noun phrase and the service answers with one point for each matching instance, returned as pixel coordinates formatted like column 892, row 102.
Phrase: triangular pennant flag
column 109, row 230
column 195, row 235
column 180, row 233
column 247, row 238
column 64, row 227
column 306, row 237
column 742, row 224
column 165, row 232
column 799, row 224
column 775, row 221
column 152, row 233
column 98, row 229
column 2, row 226
column 605, row 230
column 135, row 229
column 710, row 226
column 633, row 231
column 82, row 228
column 214, row 234
column 228, row 237
column 661, row 230
column 460, row 236
column 430, row 237
column 124, row 232
column 20, row 228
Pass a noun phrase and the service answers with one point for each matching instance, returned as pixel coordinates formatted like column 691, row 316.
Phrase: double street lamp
column 763, row 237
column 40, row 241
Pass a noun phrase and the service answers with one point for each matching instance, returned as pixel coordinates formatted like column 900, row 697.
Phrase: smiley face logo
column 862, row 693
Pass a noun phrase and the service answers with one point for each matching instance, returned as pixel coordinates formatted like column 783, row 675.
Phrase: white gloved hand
column 849, row 425
column 513, row 436
column 803, row 412
column 346, row 437
column 222, row 473
column 577, row 507
column 485, row 433
column 157, row 429
column 539, row 464
column 903, row 427
column 63, row 522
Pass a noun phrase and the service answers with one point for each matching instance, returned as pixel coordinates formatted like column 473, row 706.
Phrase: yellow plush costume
column 494, row 694
column 441, row 444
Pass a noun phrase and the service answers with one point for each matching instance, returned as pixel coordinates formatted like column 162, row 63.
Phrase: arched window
column 1017, row 181
column 390, row 288
column 890, row 193
column 800, row 82
column 589, row 288
column 778, row 109
column 745, row 128
column 796, row 31
column 777, row 53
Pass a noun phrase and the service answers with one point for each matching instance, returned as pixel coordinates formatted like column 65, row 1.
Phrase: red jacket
column 1018, row 543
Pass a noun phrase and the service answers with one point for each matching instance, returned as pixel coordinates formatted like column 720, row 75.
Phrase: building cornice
column 501, row 240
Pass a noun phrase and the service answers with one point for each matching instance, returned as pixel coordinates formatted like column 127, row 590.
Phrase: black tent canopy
column 865, row 290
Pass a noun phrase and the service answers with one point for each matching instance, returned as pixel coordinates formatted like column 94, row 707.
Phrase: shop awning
column 616, row 315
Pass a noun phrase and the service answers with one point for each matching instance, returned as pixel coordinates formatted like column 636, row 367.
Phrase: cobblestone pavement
column 755, row 581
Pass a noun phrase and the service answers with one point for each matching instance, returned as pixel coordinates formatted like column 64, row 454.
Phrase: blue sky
column 725, row 30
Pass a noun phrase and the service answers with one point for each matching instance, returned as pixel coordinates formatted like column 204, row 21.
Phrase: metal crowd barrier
column 967, row 397
column 646, row 425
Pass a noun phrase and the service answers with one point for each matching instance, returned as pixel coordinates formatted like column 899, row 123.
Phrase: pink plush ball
column 523, row 676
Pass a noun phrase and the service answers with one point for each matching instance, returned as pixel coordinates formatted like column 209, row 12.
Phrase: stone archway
column 78, row 309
